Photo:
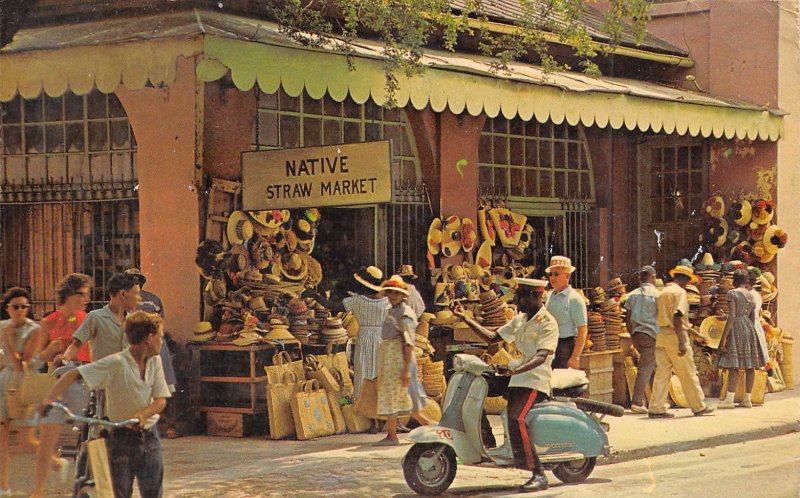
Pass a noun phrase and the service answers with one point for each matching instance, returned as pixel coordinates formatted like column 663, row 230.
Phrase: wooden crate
column 599, row 368
column 233, row 424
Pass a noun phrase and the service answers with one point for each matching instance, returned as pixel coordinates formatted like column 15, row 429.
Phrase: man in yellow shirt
column 673, row 349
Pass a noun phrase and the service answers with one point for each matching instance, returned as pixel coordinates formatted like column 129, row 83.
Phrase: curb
column 696, row 444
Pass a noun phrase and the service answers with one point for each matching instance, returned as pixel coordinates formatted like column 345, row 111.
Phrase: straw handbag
column 279, row 410
column 355, row 423
column 35, row 386
column 339, row 362
column 759, row 387
column 311, row 412
column 495, row 404
column 282, row 363
column 367, row 401
column 14, row 408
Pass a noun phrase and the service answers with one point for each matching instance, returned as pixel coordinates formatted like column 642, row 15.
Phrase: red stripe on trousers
column 523, row 430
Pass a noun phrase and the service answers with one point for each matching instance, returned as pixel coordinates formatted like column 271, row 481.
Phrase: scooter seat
column 571, row 392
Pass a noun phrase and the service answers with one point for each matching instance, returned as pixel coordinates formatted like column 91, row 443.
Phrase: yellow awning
column 135, row 51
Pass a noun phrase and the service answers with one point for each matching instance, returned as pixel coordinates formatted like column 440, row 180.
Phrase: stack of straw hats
column 333, row 332
column 494, row 311
column 202, row 333
column 612, row 316
column 433, row 378
column 615, row 288
column 597, row 331
column 298, row 320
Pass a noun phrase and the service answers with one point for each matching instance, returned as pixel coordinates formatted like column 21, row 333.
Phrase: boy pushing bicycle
column 135, row 388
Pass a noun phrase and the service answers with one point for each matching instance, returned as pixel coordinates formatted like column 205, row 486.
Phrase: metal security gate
column 577, row 241
column 406, row 221
column 43, row 242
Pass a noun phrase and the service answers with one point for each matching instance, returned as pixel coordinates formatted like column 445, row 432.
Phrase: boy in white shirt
column 135, row 388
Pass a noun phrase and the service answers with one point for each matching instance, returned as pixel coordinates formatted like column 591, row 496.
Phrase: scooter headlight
column 458, row 364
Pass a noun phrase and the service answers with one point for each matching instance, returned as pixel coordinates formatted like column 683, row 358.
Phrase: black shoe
column 661, row 415
column 538, row 482
column 704, row 411
column 402, row 429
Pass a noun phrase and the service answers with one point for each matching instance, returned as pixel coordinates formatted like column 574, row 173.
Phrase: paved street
column 348, row 465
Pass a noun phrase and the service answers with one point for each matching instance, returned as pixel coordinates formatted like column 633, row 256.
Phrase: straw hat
column 239, row 258
column 484, row 256
column 774, row 239
column 715, row 206
column 763, row 211
column 684, row 270
column 269, row 220
column 443, row 293
column 279, row 332
column 239, row 228
column 406, row 271
column 370, row 277
column 469, row 235
column 247, row 338
column 202, row 332
column 614, row 284
column 487, row 227
column 741, row 212
column 444, row 317
column 314, row 271
column 395, row 284
column 435, row 236
column 294, row 267
column 451, row 236
column 257, row 304
column 711, row 329
column 560, row 262
column 723, row 236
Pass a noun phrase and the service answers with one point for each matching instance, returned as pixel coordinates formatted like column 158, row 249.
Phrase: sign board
column 333, row 175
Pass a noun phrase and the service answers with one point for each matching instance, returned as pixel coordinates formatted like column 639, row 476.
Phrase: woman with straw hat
column 399, row 389
column 739, row 345
column 370, row 312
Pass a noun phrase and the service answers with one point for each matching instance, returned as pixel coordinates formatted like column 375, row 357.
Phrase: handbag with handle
column 311, row 412
column 355, row 423
column 339, row 362
column 281, row 363
column 279, row 410
column 35, row 386
column 367, row 401
column 316, row 370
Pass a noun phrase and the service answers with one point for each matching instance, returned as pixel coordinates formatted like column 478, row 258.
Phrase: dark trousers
column 136, row 454
column 520, row 401
column 646, row 346
column 563, row 351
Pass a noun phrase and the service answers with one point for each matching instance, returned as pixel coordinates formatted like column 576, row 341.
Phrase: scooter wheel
column 87, row 492
column 429, row 468
column 575, row 471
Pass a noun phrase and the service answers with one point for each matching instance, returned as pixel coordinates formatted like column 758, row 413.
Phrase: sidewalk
column 637, row 436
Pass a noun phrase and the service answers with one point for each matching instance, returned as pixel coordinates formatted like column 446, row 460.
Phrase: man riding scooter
column 535, row 333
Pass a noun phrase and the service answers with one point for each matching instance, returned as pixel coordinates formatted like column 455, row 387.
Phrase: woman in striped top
column 370, row 312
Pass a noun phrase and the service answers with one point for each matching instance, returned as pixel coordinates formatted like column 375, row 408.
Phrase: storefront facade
column 596, row 165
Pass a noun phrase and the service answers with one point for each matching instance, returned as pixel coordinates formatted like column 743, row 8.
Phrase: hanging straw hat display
column 715, row 206
column 774, row 239
column 486, row 226
column 741, row 212
column 435, row 236
column 763, row 211
column 451, row 236
column 239, row 228
column 469, row 236
column 294, row 267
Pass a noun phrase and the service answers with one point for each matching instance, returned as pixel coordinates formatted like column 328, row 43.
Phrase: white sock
column 729, row 397
column 747, row 397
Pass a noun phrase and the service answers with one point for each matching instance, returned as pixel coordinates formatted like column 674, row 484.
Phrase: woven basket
column 787, row 362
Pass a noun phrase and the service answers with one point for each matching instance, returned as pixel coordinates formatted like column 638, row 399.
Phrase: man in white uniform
column 135, row 388
column 535, row 333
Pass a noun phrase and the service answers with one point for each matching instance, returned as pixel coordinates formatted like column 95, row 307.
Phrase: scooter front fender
column 430, row 434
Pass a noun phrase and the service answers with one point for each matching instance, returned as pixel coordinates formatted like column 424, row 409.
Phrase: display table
column 232, row 382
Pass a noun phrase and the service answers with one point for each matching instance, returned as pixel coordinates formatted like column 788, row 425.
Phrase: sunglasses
column 20, row 306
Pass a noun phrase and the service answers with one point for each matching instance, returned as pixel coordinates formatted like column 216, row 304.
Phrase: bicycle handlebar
column 71, row 417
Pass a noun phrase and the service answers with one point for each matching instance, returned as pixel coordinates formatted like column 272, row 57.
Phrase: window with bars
column 534, row 160
column 69, row 140
column 673, row 176
column 68, row 199
column 288, row 122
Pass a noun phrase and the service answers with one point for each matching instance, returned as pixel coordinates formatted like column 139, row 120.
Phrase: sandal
column 173, row 433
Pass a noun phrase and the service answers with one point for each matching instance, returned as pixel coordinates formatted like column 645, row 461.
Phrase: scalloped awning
column 141, row 50
column 463, row 83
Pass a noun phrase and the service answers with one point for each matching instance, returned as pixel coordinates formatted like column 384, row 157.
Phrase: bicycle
column 85, row 485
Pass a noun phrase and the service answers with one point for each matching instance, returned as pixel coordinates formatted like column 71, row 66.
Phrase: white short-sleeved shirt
column 530, row 336
column 126, row 392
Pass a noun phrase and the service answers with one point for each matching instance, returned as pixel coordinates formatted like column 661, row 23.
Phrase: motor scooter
column 568, row 432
